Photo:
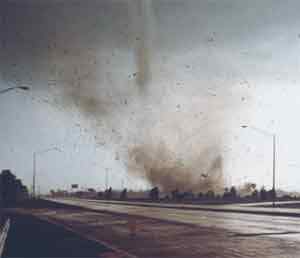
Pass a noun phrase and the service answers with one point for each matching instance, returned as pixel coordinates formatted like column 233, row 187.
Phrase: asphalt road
column 241, row 224
column 30, row 237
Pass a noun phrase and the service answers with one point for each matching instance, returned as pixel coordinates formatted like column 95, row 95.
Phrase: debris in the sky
column 132, row 75
column 52, row 82
column 246, row 83
column 101, row 143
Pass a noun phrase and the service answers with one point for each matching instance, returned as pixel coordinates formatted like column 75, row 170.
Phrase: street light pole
column 274, row 174
column 3, row 91
column 35, row 153
column 106, row 179
column 274, row 159
column 34, row 174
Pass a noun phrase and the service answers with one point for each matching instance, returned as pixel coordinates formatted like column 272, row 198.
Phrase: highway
column 240, row 224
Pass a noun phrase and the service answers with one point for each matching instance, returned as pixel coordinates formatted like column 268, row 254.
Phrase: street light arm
column 47, row 150
column 6, row 90
column 14, row 88
column 273, row 135
column 258, row 130
column 35, row 153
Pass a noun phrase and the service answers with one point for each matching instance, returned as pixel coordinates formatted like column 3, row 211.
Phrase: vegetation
column 123, row 195
column 12, row 190
column 245, row 193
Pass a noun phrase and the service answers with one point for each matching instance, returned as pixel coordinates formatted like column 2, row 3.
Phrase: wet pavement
column 264, row 208
column 165, row 232
column 31, row 237
column 241, row 223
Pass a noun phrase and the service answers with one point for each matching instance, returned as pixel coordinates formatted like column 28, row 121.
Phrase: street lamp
column 25, row 88
column 35, row 153
column 273, row 135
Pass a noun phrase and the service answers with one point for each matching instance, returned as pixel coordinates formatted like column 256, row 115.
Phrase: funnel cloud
column 105, row 59
column 159, row 83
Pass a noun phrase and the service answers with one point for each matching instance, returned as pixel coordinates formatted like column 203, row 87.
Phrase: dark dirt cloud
column 127, row 65
column 163, row 168
column 71, row 45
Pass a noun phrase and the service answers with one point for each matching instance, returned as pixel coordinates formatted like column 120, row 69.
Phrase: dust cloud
column 96, row 56
column 162, row 168
column 143, row 27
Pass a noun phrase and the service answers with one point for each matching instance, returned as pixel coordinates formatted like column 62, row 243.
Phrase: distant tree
column 175, row 194
column 210, row 194
column 123, row 195
column 200, row 195
column 108, row 193
column 226, row 194
column 154, row 194
column 218, row 197
column 21, row 190
column 263, row 194
column 11, row 189
column 233, row 193
column 188, row 195
column 271, row 194
column 254, row 195
column 230, row 194
column 287, row 197
column 100, row 195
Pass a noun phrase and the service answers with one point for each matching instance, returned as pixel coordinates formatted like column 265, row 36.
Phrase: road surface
column 167, row 232
column 264, row 208
column 30, row 237
column 240, row 223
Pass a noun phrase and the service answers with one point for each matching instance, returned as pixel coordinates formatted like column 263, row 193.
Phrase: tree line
column 12, row 189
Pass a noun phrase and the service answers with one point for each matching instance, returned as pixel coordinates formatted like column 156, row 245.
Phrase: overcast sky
column 107, row 77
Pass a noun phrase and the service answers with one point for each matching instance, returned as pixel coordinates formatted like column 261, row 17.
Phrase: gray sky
column 207, row 67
